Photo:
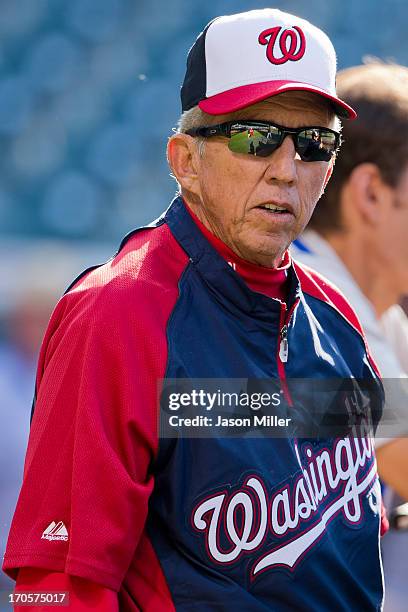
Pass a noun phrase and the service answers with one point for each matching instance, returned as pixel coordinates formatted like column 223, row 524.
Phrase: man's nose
column 282, row 166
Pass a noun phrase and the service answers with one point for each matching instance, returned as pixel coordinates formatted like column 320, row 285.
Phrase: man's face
column 234, row 188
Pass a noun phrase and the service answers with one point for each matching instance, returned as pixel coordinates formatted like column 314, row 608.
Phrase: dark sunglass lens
column 257, row 140
column 316, row 145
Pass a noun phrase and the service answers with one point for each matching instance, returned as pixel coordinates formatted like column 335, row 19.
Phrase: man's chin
column 267, row 253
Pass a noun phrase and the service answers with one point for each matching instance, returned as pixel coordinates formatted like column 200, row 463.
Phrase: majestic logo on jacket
column 55, row 531
column 292, row 44
column 331, row 481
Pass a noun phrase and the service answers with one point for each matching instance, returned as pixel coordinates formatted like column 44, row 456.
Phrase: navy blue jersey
column 216, row 523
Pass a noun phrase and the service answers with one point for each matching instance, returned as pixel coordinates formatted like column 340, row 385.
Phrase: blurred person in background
column 358, row 238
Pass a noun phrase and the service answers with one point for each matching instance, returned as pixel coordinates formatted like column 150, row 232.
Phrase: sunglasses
column 262, row 138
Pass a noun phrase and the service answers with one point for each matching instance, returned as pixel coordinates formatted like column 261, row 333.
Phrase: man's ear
column 183, row 159
column 369, row 192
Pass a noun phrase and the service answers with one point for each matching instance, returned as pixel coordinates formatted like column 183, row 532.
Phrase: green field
column 241, row 142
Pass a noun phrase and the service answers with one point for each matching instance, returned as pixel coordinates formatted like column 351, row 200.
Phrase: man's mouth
column 274, row 208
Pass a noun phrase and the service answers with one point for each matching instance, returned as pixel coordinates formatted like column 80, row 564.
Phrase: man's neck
column 269, row 281
column 200, row 214
column 374, row 281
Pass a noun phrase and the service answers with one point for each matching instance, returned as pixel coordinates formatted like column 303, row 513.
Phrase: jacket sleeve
column 82, row 594
column 83, row 502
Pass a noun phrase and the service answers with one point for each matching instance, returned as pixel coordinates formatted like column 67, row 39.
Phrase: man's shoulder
column 149, row 259
column 394, row 323
column 313, row 281
column 318, row 286
column 143, row 275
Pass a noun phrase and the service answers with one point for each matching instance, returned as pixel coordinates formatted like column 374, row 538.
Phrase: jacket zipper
column 284, row 345
column 283, row 348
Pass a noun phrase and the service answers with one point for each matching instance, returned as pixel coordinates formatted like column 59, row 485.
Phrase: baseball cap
column 241, row 59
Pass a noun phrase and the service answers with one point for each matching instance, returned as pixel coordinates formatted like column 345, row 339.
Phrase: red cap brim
column 246, row 95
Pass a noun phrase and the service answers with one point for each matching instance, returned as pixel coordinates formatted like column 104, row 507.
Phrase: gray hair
column 195, row 118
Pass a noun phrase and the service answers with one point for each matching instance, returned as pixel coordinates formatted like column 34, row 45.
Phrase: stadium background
column 89, row 92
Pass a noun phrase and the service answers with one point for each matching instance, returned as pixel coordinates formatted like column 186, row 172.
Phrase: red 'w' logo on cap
column 292, row 44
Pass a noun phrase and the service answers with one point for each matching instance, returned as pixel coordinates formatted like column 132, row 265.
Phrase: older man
column 218, row 521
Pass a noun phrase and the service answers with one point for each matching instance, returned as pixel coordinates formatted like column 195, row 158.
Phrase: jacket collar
column 218, row 275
